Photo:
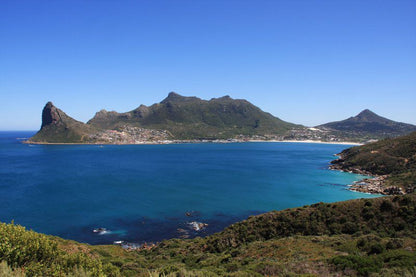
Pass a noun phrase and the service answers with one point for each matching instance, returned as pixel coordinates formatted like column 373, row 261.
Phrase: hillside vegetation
column 33, row 254
column 363, row 237
column 394, row 157
column 179, row 118
column 182, row 118
column 370, row 125
column 194, row 118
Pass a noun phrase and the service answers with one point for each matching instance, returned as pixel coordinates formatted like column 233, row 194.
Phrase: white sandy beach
column 311, row 141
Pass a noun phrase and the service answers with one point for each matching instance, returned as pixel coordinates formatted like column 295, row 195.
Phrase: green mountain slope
column 187, row 118
column 365, row 237
column 194, row 118
column 176, row 117
column 369, row 124
column 394, row 157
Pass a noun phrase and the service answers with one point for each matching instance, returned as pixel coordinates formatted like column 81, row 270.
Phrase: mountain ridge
column 187, row 118
column 182, row 117
column 178, row 109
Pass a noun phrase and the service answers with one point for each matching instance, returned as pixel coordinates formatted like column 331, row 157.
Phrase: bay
column 152, row 192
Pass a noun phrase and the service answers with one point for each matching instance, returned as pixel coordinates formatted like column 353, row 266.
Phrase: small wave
column 197, row 226
column 104, row 231
column 119, row 232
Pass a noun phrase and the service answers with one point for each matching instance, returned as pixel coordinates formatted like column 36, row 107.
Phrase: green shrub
column 400, row 258
column 364, row 265
column 39, row 254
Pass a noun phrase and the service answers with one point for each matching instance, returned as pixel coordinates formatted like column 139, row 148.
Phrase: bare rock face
column 50, row 115
column 58, row 127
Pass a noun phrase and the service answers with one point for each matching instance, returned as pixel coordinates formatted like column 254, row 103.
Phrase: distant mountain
column 194, row 118
column 190, row 118
column 179, row 117
column 368, row 123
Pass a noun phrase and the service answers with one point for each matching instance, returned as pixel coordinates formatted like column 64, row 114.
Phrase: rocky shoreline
column 374, row 185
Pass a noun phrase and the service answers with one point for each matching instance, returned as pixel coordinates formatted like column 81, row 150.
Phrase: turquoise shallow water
column 142, row 192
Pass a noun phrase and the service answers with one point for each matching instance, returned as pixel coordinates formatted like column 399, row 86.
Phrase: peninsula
column 392, row 163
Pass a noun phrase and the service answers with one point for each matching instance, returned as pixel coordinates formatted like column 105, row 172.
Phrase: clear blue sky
column 307, row 62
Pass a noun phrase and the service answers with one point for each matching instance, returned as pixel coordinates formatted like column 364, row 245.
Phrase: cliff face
column 58, row 127
column 50, row 115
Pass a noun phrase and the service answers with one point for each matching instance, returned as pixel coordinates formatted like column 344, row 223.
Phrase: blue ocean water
column 143, row 192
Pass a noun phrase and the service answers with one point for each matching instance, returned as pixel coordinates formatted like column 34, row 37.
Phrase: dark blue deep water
column 142, row 192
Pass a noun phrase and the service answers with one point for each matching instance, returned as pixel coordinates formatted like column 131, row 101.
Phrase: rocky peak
column 101, row 113
column 368, row 115
column 141, row 111
column 50, row 115
column 366, row 112
column 173, row 94
column 225, row 97
column 371, row 117
column 175, row 97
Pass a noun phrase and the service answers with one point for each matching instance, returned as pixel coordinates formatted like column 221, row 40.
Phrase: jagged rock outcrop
column 58, row 127
column 50, row 115
column 175, row 97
